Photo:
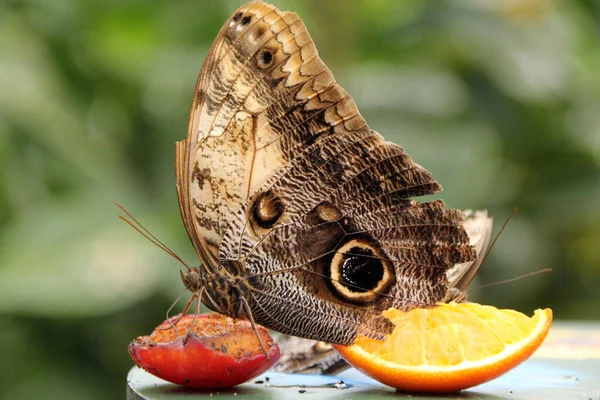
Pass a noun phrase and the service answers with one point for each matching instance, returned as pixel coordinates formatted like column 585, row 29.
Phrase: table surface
column 566, row 366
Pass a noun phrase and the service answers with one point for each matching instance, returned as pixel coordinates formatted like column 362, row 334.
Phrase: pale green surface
column 535, row 379
column 572, row 374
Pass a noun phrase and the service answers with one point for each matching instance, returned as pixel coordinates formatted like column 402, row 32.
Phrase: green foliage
column 498, row 99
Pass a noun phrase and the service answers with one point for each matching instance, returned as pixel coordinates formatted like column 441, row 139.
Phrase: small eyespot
column 258, row 33
column 323, row 213
column 237, row 17
column 328, row 212
column 267, row 209
column 246, row 20
column 265, row 58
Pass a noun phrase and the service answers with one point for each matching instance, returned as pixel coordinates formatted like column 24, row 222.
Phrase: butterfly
column 302, row 216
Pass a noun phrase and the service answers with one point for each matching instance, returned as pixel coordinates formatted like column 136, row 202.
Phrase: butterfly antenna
column 518, row 278
column 135, row 224
column 489, row 250
column 502, row 282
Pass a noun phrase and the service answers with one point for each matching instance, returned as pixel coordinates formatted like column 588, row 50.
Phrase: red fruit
column 219, row 352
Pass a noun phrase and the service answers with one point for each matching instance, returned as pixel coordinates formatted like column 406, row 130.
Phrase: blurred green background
column 500, row 100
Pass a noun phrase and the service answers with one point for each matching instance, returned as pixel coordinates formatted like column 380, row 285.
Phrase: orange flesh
column 449, row 347
column 434, row 338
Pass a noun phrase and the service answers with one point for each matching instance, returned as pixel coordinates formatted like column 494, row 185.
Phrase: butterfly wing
column 479, row 228
column 282, row 182
column 216, row 165
column 310, row 356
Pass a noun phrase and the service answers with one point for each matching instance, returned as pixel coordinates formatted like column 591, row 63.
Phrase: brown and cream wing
column 479, row 228
column 281, row 180
column 324, row 188
column 262, row 65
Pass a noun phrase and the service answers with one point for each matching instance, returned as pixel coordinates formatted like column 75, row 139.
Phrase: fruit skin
column 225, row 353
column 444, row 380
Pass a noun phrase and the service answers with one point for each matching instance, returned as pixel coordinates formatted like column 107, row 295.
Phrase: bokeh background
column 500, row 100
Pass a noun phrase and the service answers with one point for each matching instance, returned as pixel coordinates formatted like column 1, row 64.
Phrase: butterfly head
column 192, row 279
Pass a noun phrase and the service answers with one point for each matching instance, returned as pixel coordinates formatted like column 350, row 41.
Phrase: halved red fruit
column 219, row 352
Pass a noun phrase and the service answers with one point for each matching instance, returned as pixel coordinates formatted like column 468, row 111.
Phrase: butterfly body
column 221, row 292
column 300, row 213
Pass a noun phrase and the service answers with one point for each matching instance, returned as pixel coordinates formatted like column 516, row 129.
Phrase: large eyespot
column 267, row 209
column 359, row 271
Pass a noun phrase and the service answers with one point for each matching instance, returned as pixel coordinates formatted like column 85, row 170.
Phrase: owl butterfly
column 299, row 212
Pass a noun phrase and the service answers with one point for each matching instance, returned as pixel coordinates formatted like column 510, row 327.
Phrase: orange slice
column 450, row 347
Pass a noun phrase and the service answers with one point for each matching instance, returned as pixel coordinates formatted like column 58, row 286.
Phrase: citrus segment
column 450, row 347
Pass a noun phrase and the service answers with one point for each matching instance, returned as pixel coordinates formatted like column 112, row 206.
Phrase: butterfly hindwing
column 282, row 183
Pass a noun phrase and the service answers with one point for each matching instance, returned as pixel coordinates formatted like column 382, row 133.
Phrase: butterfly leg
column 455, row 294
column 167, row 318
column 308, row 357
column 212, row 304
column 183, row 313
column 196, row 297
column 251, row 318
